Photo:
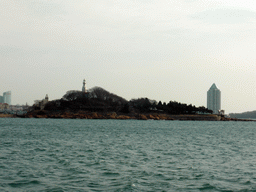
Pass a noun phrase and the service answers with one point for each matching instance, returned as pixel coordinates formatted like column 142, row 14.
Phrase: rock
column 122, row 117
column 143, row 117
column 150, row 117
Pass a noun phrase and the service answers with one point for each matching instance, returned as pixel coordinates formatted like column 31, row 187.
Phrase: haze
column 164, row 50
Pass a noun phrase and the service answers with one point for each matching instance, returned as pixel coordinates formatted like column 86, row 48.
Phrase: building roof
column 213, row 86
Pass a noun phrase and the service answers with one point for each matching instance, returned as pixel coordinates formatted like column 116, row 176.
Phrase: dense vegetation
column 98, row 99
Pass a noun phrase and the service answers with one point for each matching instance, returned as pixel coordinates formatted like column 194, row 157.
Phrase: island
column 97, row 103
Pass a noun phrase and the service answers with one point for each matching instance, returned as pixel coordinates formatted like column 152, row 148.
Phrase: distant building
column 4, row 106
column 1, row 99
column 214, row 99
column 84, row 87
column 222, row 112
column 18, row 107
column 7, row 97
column 41, row 103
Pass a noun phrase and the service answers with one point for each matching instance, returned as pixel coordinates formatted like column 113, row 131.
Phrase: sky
column 168, row 50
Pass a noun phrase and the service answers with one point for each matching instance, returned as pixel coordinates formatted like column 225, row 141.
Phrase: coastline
column 7, row 116
column 121, row 116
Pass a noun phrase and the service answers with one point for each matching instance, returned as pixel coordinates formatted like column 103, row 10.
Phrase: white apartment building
column 214, row 99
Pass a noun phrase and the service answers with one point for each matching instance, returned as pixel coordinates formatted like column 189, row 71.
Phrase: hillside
column 98, row 99
column 248, row 114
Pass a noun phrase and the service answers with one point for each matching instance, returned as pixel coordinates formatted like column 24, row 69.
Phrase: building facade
column 41, row 103
column 214, row 99
column 4, row 106
column 7, row 97
column 1, row 99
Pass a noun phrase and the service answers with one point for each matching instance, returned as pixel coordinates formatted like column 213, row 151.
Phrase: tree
column 143, row 104
column 73, row 95
column 102, row 94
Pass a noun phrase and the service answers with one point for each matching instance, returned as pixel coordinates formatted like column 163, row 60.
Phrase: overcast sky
column 164, row 50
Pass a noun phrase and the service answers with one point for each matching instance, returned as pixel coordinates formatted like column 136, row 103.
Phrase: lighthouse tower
column 84, row 88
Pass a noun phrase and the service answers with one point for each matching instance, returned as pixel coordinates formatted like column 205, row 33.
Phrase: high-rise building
column 1, row 99
column 213, row 99
column 7, row 97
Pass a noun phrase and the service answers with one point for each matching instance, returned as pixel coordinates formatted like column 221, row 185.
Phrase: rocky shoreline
column 114, row 115
column 122, row 116
column 6, row 116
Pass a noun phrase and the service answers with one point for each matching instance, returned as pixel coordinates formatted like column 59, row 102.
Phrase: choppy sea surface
column 126, row 155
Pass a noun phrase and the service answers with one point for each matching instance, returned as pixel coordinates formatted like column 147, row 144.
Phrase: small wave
column 207, row 186
column 21, row 183
column 248, row 183
column 110, row 174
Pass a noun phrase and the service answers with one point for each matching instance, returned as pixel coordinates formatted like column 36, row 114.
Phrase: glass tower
column 213, row 99
column 7, row 97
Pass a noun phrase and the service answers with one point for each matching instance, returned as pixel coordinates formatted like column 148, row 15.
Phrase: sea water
column 126, row 155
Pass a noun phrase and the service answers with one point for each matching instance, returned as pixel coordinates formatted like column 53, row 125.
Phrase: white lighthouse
column 84, row 88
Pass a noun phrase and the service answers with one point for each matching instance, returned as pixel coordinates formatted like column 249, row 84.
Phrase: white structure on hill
column 41, row 103
column 84, row 88
column 214, row 99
